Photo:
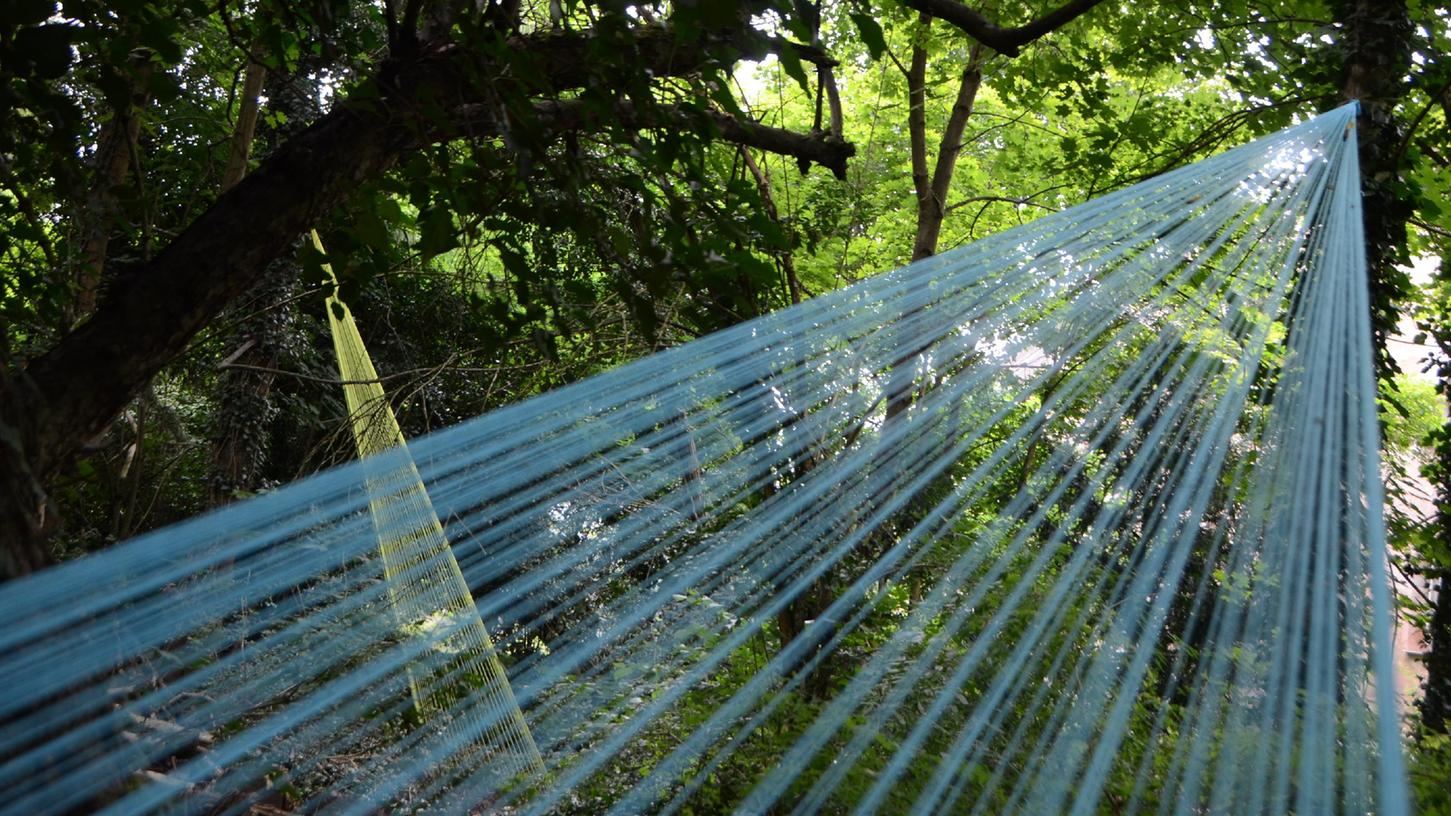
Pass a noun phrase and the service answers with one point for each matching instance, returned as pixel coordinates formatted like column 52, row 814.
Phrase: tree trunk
column 115, row 146
column 264, row 322
column 932, row 208
column 917, row 122
column 931, row 190
column 1376, row 43
column 246, row 127
column 22, row 499
column 1436, row 704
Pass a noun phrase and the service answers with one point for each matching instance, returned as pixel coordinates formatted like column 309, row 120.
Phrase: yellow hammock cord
column 411, row 540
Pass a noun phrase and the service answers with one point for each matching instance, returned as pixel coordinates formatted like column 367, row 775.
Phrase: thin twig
column 428, row 370
column 1415, row 123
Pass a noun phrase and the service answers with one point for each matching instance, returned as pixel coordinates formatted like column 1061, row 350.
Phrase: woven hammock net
column 1083, row 517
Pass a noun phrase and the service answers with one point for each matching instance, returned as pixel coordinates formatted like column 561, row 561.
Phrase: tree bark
column 22, row 498
column 932, row 191
column 561, row 116
column 70, row 393
column 917, row 115
column 1436, row 701
column 1376, row 43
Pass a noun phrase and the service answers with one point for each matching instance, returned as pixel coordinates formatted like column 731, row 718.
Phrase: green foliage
column 1417, row 417
column 1429, row 766
column 493, row 266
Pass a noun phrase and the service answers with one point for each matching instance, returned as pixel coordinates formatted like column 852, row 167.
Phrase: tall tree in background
column 263, row 321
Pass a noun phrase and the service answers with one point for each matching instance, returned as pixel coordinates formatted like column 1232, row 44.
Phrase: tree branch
column 1006, row 41
column 71, row 392
column 1431, row 228
column 1026, row 201
column 917, row 117
column 763, row 187
column 929, row 218
column 826, row 150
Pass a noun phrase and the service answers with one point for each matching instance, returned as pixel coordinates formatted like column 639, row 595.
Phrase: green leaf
column 720, row 91
column 370, row 229
column 871, row 32
column 620, row 240
column 312, row 261
column 164, row 87
column 797, row 24
column 791, row 64
column 435, row 232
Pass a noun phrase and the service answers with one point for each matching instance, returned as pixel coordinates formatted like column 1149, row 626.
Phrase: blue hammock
column 1083, row 517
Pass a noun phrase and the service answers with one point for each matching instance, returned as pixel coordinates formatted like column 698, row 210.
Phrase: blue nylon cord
column 1090, row 389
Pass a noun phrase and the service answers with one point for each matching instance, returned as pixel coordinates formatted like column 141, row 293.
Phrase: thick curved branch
column 1007, row 41
column 1026, row 201
column 560, row 116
